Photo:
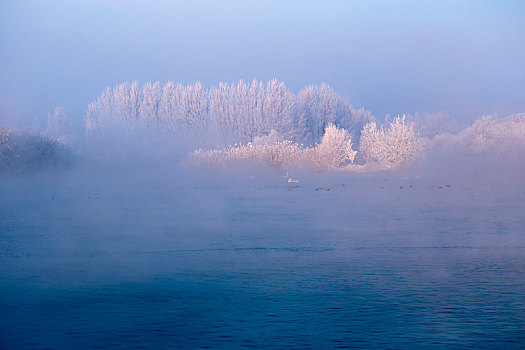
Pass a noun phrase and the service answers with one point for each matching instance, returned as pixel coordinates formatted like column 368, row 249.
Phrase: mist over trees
column 429, row 125
column 237, row 112
column 492, row 133
column 262, row 122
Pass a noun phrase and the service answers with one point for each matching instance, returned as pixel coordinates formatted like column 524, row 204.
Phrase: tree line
column 237, row 112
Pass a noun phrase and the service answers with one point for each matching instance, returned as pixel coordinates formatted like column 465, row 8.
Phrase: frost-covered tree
column 278, row 109
column 492, row 134
column 256, row 96
column 192, row 102
column 220, row 109
column 354, row 120
column 239, row 112
column 91, row 121
column 319, row 105
column 245, row 111
column 149, row 106
column 134, row 101
column 430, row 125
column 482, row 133
column 168, row 106
column 121, row 102
column 335, row 148
column 317, row 109
column 58, row 125
column 393, row 146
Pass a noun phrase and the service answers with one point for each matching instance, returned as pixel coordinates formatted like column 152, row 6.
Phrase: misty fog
column 262, row 174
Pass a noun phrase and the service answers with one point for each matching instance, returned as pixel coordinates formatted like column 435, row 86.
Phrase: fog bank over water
column 131, row 244
column 139, row 251
column 403, row 57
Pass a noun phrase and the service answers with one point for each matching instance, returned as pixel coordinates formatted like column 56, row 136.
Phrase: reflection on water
column 373, row 262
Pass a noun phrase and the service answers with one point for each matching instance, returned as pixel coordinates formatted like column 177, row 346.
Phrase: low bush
column 334, row 151
column 27, row 151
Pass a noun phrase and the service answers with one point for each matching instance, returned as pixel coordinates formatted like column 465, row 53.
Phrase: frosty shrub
column 279, row 155
column 335, row 148
column 27, row 151
column 394, row 146
column 490, row 134
column 334, row 151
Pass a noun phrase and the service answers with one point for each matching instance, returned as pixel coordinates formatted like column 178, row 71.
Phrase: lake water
column 182, row 260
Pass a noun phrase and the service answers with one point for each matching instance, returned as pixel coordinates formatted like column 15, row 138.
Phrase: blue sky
column 463, row 57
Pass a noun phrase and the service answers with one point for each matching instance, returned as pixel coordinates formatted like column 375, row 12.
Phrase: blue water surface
column 342, row 262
